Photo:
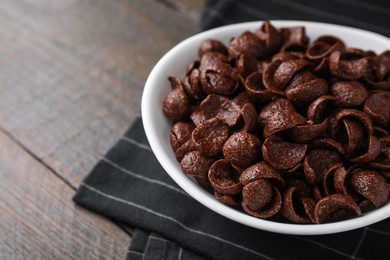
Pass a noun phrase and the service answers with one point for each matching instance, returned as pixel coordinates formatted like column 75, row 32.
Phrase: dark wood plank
column 38, row 220
column 72, row 73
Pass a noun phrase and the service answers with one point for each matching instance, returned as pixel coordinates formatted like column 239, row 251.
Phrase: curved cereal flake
column 242, row 149
column 273, row 107
column 298, row 50
column 296, row 35
column 309, row 205
column 355, row 137
column 343, row 68
column 377, row 77
column 302, row 187
column 225, row 199
column 282, row 155
column 217, row 106
column 296, row 170
column 210, row 136
column 196, row 164
column 286, row 70
column 257, row 194
column 192, row 85
column 371, row 185
column 223, row 82
column 269, row 210
column 271, row 36
column 224, row 178
column 322, row 68
column 256, row 90
column 317, row 162
column 262, row 170
column 175, row 82
column 307, row 133
column 249, row 114
column 284, row 55
column 269, row 80
column 328, row 179
column 301, row 77
column 317, row 193
column 366, row 206
column 307, row 92
column 377, row 107
column 187, row 147
column 383, row 159
column 372, row 152
column 247, row 43
column 197, row 116
column 318, row 109
column 341, row 182
column 356, row 115
column 211, row 45
column 348, row 93
column 282, row 120
column 213, row 61
column 324, row 46
column 246, row 65
column 288, row 209
column 327, row 143
column 176, row 105
column 180, row 133
column 335, row 207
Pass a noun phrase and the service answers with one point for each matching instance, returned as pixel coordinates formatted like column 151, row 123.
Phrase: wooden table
column 72, row 74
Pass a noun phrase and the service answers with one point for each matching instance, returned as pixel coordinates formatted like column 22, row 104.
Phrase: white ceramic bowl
column 157, row 127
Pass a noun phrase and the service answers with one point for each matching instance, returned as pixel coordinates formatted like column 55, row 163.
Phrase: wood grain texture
column 38, row 219
column 71, row 80
column 72, row 73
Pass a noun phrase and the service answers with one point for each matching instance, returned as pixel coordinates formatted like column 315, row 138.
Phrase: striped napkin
column 128, row 185
column 369, row 15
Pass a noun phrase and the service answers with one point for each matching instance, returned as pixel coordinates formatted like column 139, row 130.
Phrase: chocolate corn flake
column 218, row 106
column 372, row 185
column 281, row 154
column 285, row 128
column 269, row 210
column 210, row 136
column 377, row 107
column 335, row 207
column 224, row 178
column 348, row 93
column 247, row 43
column 196, row 164
column 242, row 149
column 180, row 133
column 289, row 209
column 317, row 162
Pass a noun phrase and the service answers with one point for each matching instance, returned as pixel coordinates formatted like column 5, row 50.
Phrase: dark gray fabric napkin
column 369, row 15
column 128, row 185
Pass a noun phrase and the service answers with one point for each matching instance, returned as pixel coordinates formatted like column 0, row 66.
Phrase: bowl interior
column 157, row 127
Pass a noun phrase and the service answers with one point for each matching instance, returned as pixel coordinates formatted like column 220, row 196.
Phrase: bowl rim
column 193, row 189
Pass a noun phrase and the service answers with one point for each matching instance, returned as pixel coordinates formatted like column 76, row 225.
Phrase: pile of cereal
column 284, row 128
